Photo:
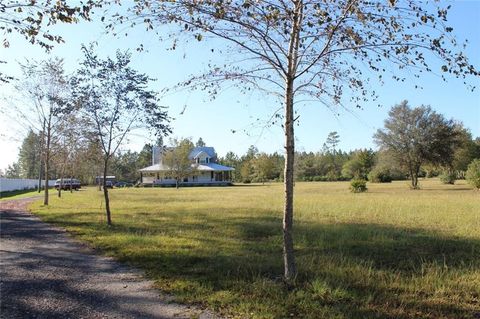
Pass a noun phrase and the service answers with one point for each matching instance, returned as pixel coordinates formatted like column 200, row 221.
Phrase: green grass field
column 388, row 253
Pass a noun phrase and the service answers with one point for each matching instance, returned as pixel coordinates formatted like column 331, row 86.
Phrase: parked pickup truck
column 67, row 183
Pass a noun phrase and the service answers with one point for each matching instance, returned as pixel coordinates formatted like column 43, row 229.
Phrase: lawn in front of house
column 388, row 253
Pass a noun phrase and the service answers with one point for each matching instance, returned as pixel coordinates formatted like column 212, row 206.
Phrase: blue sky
column 216, row 120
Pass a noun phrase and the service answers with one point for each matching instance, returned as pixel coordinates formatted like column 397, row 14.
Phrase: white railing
column 13, row 184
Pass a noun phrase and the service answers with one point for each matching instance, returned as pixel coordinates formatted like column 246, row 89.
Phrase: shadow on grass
column 16, row 193
column 364, row 270
column 448, row 188
column 252, row 185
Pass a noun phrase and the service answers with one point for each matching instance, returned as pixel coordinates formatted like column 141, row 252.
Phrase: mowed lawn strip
column 388, row 253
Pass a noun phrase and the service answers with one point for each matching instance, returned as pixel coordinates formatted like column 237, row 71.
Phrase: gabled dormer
column 203, row 155
column 202, row 158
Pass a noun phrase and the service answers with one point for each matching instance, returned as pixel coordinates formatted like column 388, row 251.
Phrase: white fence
column 13, row 184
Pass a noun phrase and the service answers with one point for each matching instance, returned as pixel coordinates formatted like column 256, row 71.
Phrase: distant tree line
column 328, row 164
column 384, row 165
column 260, row 167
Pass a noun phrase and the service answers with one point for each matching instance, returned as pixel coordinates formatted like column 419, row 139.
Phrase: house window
column 211, row 175
column 207, row 160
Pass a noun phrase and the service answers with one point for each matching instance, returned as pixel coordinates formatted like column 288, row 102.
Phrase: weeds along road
column 46, row 274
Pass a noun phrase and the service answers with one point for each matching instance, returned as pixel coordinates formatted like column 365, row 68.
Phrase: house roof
column 210, row 167
column 213, row 167
column 210, row 151
column 155, row 168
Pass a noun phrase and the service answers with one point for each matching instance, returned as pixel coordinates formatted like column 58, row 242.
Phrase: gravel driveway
column 46, row 274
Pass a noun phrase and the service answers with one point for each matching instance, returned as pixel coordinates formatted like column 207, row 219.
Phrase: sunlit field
column 388, row 253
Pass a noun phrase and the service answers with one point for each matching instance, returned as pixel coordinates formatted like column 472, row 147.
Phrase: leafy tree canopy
column 417, row 136
column 176, row 159
column 115, row 99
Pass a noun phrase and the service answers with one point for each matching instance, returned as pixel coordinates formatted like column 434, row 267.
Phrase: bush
column 332, row 176
column 431, row 172
column 397, row 175
column 448, row 178
column 473, row 173
column 358, row 186
column 380, row 175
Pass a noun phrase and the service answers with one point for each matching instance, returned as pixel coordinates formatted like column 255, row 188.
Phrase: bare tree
column 308, row 50
column 46, row 88
column 114, row 98
column 69, row 143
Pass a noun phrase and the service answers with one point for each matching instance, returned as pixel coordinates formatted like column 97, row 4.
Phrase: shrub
column 448, row 178
column 473, row 173
column 358, row 186
column 431, row 172
column 397, row 175
column 380, row 175
column 332, row 176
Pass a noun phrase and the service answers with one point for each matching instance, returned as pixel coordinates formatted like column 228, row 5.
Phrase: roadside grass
column 388, row 253
column 19, row 194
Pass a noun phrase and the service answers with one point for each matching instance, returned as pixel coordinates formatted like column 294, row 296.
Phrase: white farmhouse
column 204, row 164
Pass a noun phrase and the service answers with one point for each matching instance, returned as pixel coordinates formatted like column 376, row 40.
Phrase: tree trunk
column 414, row 177
column 60, row 188
column 40, row 168
column 99, row 181
column 290, row 270
column 61, row 181
column 47, row 160
column 45, row 194
column 105, row 192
